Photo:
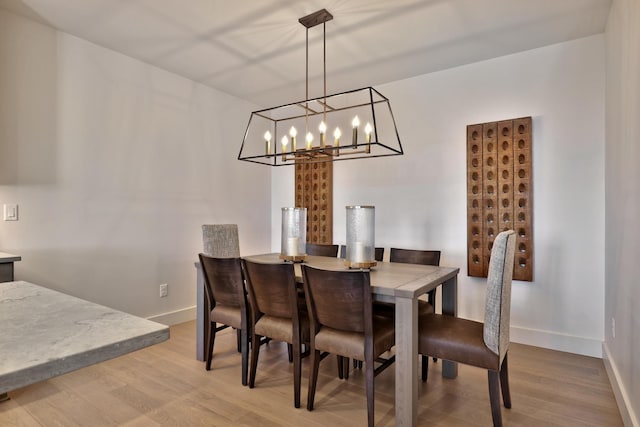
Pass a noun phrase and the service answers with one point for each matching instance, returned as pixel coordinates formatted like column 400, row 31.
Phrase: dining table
column 401, row 284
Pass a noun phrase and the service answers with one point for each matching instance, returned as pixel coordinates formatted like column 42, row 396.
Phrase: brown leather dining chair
column 422, row 257
column 483, row 345
column 416, row 256
column 320, row 249
column 276, row 314
column 224, row 289
column 342, row 322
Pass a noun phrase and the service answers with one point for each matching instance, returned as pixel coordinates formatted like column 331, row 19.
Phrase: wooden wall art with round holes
column 314, row 191
column 499, row 193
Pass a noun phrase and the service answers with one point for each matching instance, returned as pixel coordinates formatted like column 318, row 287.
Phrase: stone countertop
column 5, row 257
column 44, row 333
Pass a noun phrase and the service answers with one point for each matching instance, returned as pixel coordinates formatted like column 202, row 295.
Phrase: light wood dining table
column 401, row 284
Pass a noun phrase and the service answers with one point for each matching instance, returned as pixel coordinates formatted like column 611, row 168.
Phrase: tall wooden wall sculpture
column 314, row 191
column 499, row 193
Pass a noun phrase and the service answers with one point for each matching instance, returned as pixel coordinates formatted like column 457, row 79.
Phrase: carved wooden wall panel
column 499, row 193
column 314, row 191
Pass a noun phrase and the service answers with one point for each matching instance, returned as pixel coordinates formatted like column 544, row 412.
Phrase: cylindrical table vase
column 360, row 237
column 293, row 246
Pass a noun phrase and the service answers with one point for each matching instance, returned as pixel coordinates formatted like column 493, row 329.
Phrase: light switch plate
column 10, row 212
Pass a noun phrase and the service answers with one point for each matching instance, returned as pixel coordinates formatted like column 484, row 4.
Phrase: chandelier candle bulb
column 322, row 128
column 309, row 140
column 292, row 133
column 355, row 123
column 284, row 142
column 336, row 136
column 267, row 140
column 367, row 131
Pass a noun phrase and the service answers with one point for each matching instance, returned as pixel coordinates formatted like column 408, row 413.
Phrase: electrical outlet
column 164, row 290
column 613, row 327
column 10, row 212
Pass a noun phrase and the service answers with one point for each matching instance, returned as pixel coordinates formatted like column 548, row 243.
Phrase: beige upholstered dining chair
column 227, row 303
column 221, row 240
column 483, row 345
column 276, row 313
column 342, row 322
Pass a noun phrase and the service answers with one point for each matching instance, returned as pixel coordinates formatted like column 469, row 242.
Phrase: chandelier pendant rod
column 324, row 73
column 307, row 84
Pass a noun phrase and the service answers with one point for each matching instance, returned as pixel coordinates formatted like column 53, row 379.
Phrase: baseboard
column 554, row 341
column 175, row 317
column 627, row 413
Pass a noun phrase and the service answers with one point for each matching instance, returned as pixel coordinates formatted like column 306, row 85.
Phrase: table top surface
column 5, row 257
column 387, row 278
column 45, row 333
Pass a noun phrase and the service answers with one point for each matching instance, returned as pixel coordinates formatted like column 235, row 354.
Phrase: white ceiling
column 255, row 49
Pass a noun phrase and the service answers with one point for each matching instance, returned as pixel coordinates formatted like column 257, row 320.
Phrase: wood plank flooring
column 165, row 385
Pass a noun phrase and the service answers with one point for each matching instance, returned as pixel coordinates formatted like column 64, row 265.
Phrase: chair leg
column 345, row 368
column 494, row 397
column 432, row 300
column 210, row 339
column 313, row 377
column 425, row 368
column 239, row 340
column 370, row 391
column 290, row 352
column 245, row 354
column 297, row 373
column 340, row 367
column 255, row 349
column 504, row 383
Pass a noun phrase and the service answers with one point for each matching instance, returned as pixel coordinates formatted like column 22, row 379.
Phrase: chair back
column 221, row 240
column 223, row 280
column 322, row 249
column 414, row 256
column 378, row 253
column 498, row 305
column 271, row 289
column 338, row 299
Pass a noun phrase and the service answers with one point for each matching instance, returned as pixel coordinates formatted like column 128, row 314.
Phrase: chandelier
column 348, row 125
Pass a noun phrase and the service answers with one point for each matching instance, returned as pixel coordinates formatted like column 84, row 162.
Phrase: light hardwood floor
column 166, row 385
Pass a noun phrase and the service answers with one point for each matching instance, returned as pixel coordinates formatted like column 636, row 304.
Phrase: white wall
column 115, row 165
column 420, row 197
column 623, row 207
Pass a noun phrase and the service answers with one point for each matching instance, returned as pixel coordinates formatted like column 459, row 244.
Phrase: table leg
column 450, row 307
column 406, row 361
column 201, row 306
